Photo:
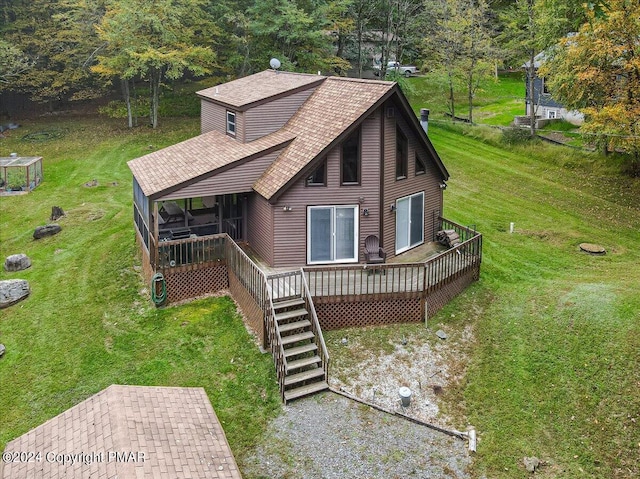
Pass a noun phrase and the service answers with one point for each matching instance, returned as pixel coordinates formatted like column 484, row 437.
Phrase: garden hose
column 158, row 299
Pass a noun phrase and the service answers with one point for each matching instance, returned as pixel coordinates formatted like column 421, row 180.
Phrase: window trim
column 231, row 131
column 357, row 131
column 356, row 233
column 404, row 163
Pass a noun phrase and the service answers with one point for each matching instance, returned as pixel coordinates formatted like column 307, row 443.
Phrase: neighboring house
column 545, row 107
column 301, row 167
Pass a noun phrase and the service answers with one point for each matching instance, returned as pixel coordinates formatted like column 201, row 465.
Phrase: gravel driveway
column 329, row 436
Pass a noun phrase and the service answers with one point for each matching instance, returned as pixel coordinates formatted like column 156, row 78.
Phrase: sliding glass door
column 332, row 234
column 409, row 222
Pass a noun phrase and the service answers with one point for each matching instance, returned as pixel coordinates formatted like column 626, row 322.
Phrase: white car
column 406, row 70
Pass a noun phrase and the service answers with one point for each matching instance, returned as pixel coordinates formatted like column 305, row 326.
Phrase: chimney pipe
column 424, row 119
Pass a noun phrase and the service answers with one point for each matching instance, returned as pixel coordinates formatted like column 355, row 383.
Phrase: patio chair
column 373, row 253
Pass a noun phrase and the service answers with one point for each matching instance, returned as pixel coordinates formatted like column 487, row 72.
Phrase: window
column 231, row 123
column 551, row 114
column 402, row 155
column 350, row 171
column 409, row 222
column 545, row 89
column 319, row 176
column 332, row 234
column 420, row 165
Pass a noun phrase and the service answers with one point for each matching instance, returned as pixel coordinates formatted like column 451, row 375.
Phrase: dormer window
column 231, row 123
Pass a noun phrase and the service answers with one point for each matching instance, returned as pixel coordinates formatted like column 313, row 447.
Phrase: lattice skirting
column 436, row 300
column 336, row 315
column 187, row 284
column 251, row 310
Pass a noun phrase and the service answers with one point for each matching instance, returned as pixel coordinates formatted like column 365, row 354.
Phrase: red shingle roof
column 128, row 432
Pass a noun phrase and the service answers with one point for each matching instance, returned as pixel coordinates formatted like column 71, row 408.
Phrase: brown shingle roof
column 198, row 156
column 335, row 106
column 256, row 88
column 164, row 432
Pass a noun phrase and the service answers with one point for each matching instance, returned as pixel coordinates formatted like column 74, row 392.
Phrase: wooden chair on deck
column 373, row 253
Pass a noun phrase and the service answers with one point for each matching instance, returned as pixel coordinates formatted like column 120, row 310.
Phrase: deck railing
column 315, row 324
column 191, row 251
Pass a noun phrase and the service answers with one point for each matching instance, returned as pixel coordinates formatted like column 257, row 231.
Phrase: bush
column 516, row 136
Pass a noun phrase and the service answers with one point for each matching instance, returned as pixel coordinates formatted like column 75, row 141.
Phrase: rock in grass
column 2, row 350
column 46, row 230
column 441, row 334
column 12, row 291
column 17, row 262
column 531, row 463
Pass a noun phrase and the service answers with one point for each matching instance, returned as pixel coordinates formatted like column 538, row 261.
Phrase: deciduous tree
column 155, row 40
column 598, row 72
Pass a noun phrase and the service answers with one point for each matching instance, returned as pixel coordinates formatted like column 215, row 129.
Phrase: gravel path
column 329, row 436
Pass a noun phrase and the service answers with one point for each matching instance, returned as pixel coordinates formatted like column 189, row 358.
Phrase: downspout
column 154, row 259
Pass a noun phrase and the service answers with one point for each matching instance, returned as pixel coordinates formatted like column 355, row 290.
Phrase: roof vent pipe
column 424, row 119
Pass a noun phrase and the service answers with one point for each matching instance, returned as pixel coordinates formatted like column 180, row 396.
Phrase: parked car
column 406, row 70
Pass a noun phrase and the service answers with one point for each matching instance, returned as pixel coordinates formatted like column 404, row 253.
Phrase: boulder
column 17, row 262
column 12, row 291
column 46, row 230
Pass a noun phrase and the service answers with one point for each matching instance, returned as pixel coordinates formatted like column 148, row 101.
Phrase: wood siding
column 269, row 117
column 290, row 227
column 260, row 227
column 214, row 117
column 239, row 179
column 393, row 189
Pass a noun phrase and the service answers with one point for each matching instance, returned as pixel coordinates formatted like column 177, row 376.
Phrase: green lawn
column 496, row 101
column 89, row 322
column 555, row 367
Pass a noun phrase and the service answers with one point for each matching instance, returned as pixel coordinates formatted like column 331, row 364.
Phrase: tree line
column 66, row 50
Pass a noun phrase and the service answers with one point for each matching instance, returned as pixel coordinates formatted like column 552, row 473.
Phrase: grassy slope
column 555, row 369
column 87, row 324
column 496, row 102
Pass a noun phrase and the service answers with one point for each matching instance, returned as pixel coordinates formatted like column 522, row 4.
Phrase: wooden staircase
column 303, row 368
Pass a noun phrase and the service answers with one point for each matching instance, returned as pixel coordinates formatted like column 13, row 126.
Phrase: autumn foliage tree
column 597, row 71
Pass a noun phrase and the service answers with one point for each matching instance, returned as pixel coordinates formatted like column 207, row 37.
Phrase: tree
column 597, row 71
column 155, row 40
column 13, row 63
column 55, row 47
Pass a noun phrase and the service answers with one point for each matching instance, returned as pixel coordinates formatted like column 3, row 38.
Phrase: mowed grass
column 496, row 101
column 554, row 371
column 88, row 322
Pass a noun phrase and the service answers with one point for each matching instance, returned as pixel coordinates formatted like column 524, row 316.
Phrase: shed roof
column 164, row 432
column 263, row 86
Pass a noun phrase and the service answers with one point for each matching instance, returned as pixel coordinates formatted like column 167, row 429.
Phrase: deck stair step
column 289, row 303
column 300, row 350
column 292, row 394
column 303, row 376
column 295, row 313
column 294, row 338
column 301, row 363
column 305, row 323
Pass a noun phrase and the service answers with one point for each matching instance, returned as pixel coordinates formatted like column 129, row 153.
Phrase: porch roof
column 198, row 157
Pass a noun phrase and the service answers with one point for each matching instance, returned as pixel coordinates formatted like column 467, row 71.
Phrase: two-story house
column 301, row 167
